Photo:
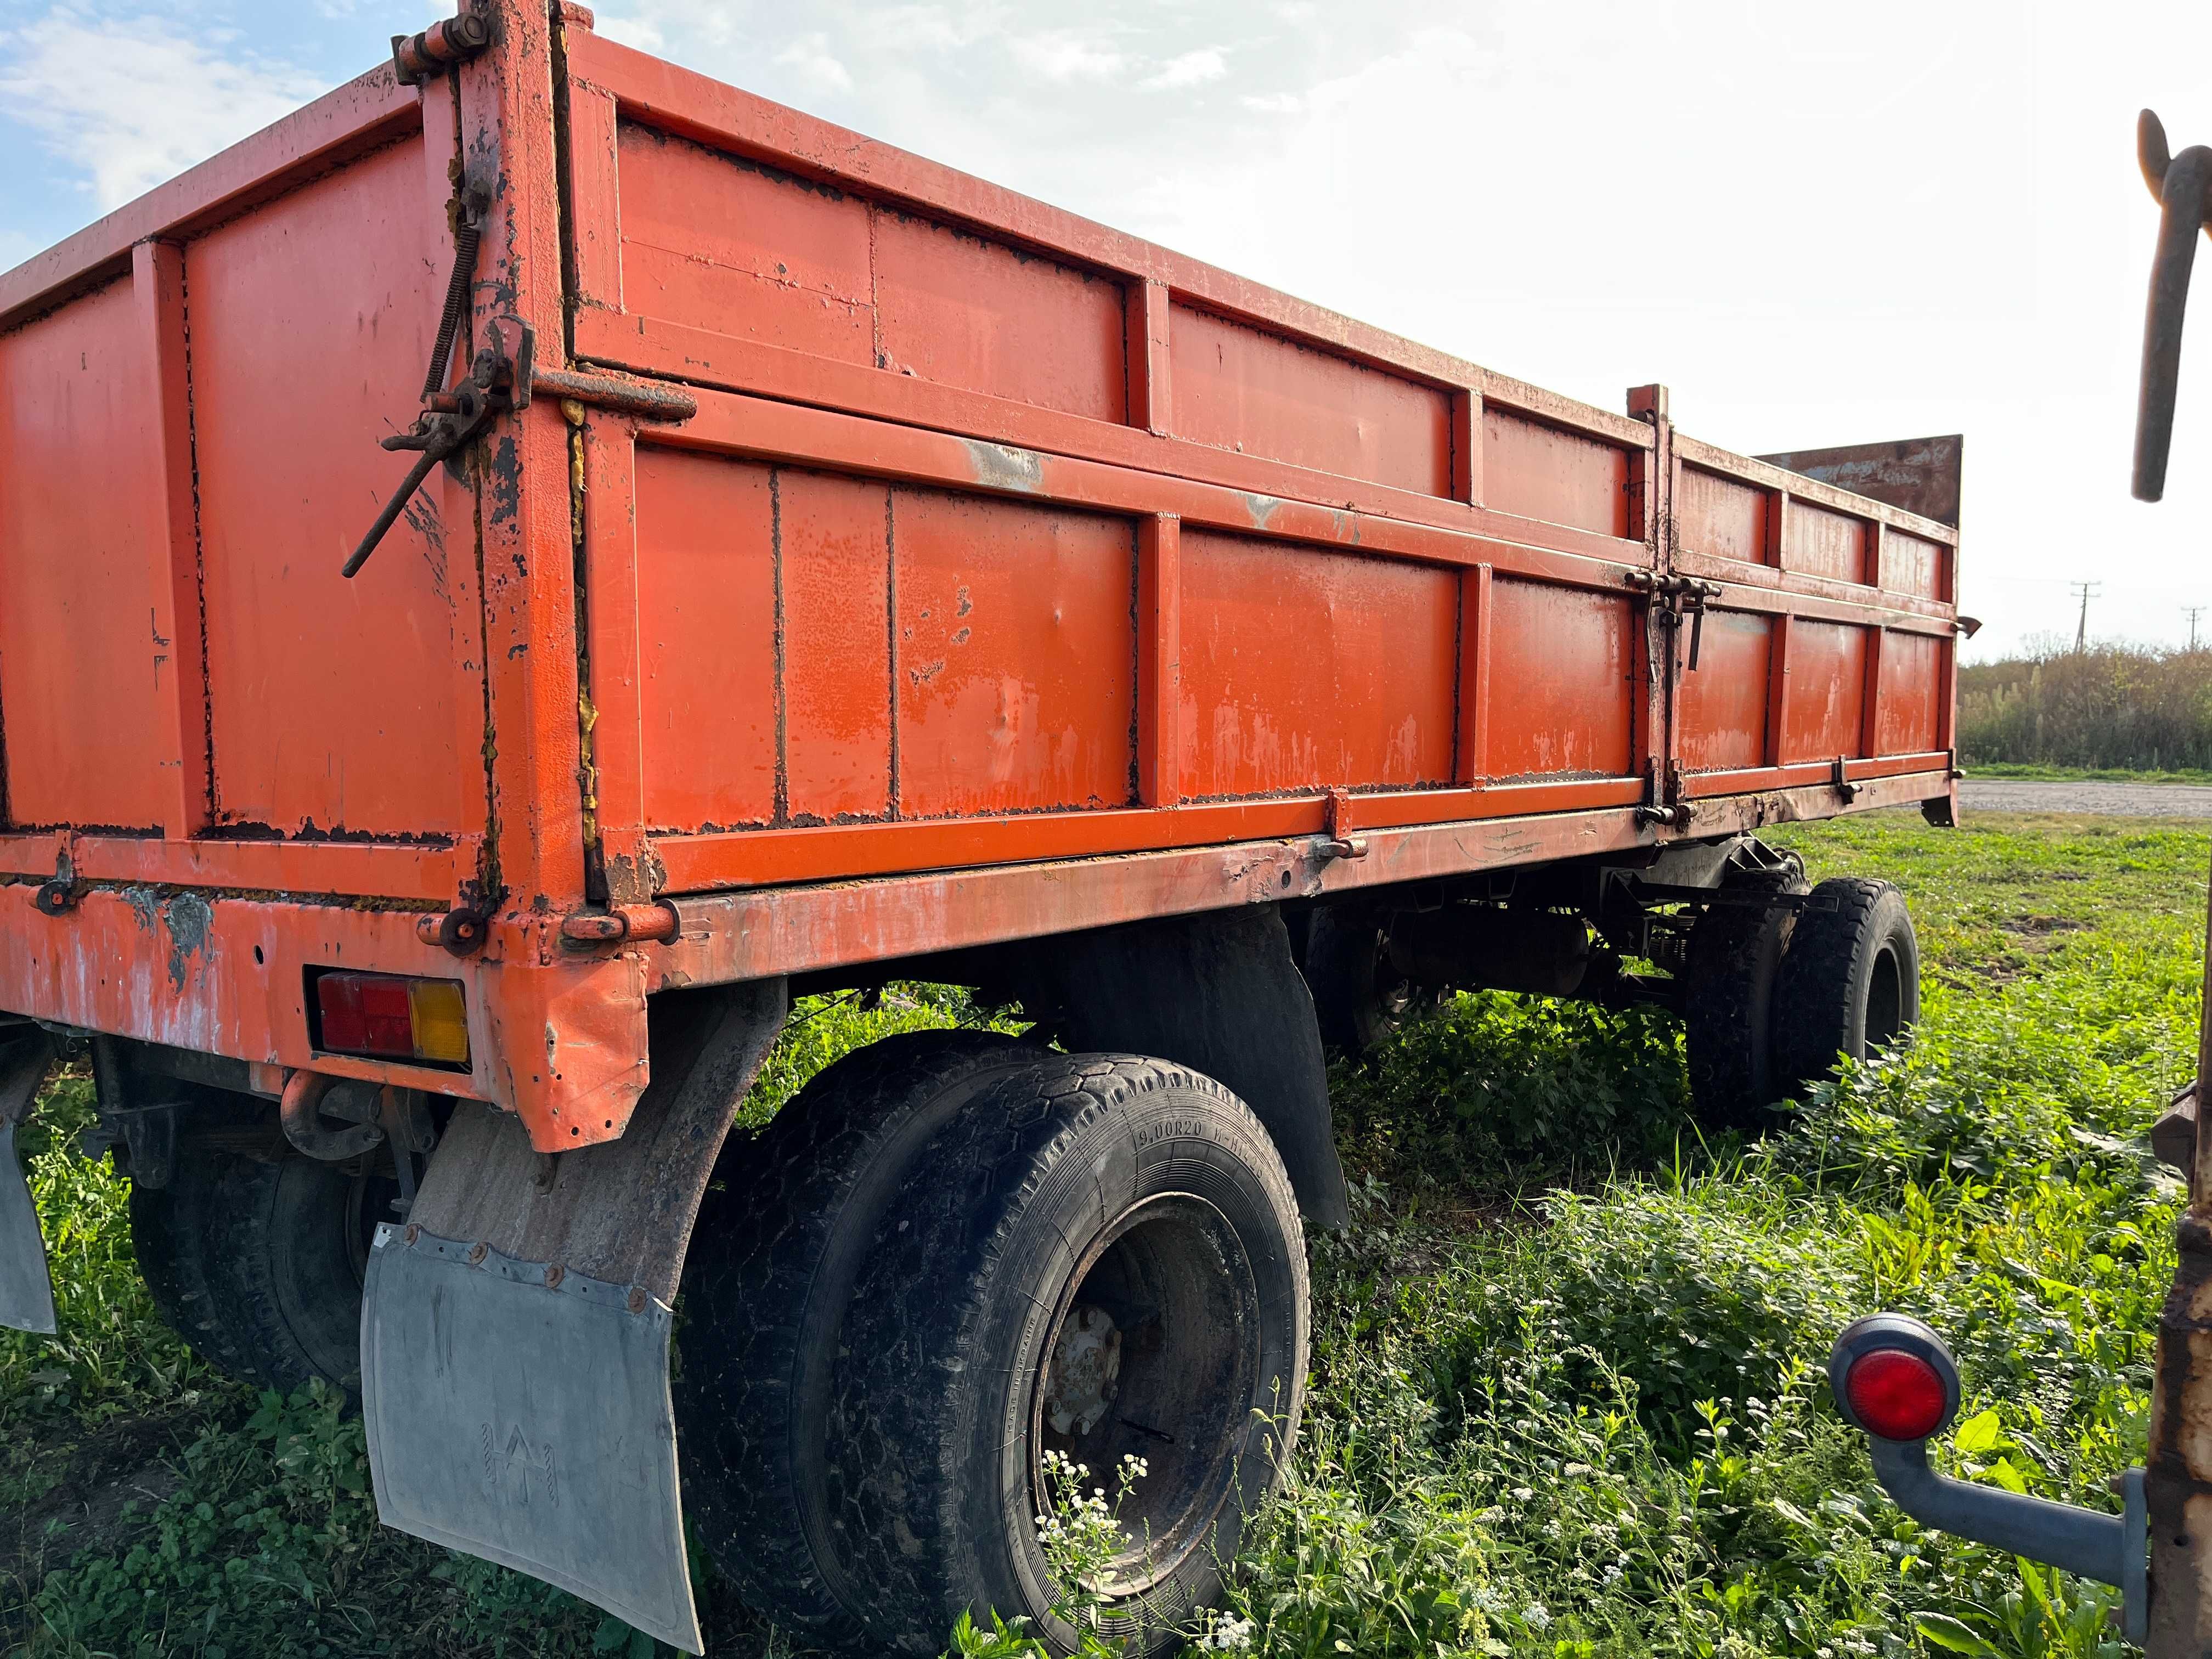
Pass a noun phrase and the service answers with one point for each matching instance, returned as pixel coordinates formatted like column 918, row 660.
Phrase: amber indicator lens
column 387, row 1016
column 1898, row 1395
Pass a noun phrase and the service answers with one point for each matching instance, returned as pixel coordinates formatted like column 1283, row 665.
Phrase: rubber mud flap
column 514, row 1334
column 490, row 1395
column 26, row 1289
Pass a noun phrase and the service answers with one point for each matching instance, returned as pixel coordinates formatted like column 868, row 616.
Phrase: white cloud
column 642, row 33
column 810, row 55
column 1275, row 103
column 931, row 27
column 1068, row 58
column 128, row 103
column 1192, row 68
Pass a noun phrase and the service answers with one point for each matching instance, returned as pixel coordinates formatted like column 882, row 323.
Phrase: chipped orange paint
column 999, row 543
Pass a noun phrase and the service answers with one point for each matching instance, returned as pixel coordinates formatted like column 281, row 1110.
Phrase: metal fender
column 514, row 1334
column 27, row 1290
column 1217, row 991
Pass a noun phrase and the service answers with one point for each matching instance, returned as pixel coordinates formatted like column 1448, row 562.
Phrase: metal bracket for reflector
column 2113, row 1549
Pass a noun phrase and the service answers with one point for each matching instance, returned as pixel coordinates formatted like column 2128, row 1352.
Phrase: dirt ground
column 2132, row 800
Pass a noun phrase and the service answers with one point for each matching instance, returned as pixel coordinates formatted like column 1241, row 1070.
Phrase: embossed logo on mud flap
column 517, row 1469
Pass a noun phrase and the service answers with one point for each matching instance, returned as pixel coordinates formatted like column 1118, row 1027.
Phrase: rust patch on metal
column 188, row 918
column 1002, row 466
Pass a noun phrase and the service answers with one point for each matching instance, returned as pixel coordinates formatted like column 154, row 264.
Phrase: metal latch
column 1839, row 778
column 498, row 381
column 1338, row 840
column 1674, row 597
column 1663, row 805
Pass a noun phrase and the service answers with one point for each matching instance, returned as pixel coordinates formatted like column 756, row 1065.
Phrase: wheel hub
column 1085, row 1371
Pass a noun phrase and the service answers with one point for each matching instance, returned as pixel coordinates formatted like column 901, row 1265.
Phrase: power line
column 2193, row 611
column 2086, row 591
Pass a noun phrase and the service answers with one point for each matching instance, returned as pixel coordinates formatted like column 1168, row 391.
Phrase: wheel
column 258, row 1264
column 1850, row 979
column 169, row 1230
column 1728, row 1001
column 1101, row 1259
column 1359, row 999
column 780, row 1235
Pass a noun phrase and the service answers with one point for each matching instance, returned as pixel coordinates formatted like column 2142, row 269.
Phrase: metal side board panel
column 26, row 1289
column 501, row 1380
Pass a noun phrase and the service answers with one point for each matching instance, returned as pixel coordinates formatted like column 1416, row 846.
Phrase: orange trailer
column 819, row 566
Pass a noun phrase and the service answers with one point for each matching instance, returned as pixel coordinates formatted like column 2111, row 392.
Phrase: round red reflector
column 1898, row 1395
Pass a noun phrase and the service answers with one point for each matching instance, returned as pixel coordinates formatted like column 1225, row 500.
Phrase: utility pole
column 2085, row 591
column 2193, row 611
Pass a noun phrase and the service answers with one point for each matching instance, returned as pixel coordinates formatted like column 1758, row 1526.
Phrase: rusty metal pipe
column 303, row 1095
column 620, row 924
column 2184, row 191
column 649, row 403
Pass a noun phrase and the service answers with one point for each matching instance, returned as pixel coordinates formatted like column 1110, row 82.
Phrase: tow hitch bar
column 1895, row 1381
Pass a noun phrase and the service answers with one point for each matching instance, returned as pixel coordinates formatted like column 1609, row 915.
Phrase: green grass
column 2026, row 772
column 1566, row 1395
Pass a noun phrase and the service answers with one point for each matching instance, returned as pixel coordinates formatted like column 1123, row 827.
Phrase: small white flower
column 1536, row 1616
column 1231, row 1635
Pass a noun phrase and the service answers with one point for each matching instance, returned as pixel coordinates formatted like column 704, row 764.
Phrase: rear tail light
column 387, row 1016
column 1893, row 1377
column 1898, row 1395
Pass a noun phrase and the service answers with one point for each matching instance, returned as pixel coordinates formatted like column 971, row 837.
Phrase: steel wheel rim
column 1195, row 1365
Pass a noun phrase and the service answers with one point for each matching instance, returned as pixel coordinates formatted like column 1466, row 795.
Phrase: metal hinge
column 416, row 57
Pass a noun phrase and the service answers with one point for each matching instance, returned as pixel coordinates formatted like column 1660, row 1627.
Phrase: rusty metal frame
column 741, row 935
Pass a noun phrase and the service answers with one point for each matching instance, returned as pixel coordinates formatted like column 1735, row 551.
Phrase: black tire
column 783, row 1233
column 1088, row 1185
column 1359, row 999
column 258, row 1264
column 1850, row 979
column 170, row 1229
column 1735, row 956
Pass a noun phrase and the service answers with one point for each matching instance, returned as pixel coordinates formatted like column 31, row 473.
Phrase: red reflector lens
column 1898, row 1395
column 365, row 1014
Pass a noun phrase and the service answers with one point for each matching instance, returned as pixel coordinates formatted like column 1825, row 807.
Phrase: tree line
column 2125, row 707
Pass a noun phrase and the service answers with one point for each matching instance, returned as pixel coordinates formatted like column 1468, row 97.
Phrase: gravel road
column 2130, row 800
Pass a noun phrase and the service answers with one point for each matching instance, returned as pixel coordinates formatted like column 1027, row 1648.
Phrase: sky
column 1817, row 223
